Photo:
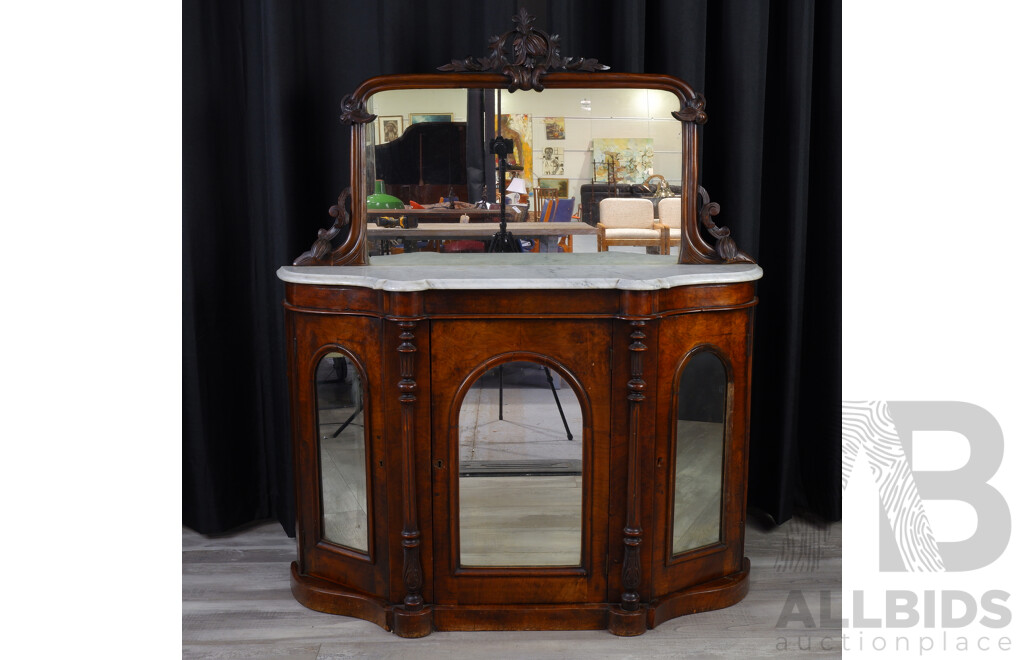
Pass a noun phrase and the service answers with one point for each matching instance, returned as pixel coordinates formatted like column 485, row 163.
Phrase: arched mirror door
column 700, row 419
column 341, row 430
column 520, row 459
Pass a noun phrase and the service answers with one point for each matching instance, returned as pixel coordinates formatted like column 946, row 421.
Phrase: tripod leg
column 558, row 403
column 349, row 420
column 501, row 391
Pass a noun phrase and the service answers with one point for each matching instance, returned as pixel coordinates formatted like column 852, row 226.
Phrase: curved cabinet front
column 531, row 459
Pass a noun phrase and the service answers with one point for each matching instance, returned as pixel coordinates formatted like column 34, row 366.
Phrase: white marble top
column 421, row 271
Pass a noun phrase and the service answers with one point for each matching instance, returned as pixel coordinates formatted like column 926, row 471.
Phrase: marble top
column 422, row 271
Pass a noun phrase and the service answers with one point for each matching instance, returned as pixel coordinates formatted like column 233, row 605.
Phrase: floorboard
column 237, row 603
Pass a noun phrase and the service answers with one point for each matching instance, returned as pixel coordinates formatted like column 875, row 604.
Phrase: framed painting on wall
column 561, row 184
column 419, row 118
column 389, row 128
column 519, row 129
column 554, row 128
column 624, row 160
column 553, row 161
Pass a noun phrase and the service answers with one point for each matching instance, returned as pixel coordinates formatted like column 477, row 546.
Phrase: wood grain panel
column 334, row 299
column 497, row 303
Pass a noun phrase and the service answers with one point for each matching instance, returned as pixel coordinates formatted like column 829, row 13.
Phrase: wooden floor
column 236, row 603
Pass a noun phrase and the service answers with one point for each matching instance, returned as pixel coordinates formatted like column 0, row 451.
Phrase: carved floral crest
column 524, row 54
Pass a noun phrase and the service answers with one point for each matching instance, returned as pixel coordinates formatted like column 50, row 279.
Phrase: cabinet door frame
column 318, row 556
column 455, row 584
column 722, row 333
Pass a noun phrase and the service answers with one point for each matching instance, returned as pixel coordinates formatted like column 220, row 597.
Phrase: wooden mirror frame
column 522, row 59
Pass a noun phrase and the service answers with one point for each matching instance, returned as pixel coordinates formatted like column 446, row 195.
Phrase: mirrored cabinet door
column 342, row 435
column 520, row 469
column 701, row 402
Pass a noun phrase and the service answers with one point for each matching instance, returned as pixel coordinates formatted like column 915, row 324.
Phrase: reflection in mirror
column 700, row 439
column 573, row 137
column 520, row 469
column 340, row 426
column 424, row 160
column 563, row 138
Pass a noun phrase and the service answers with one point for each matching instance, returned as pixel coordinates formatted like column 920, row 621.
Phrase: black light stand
column 503, row 241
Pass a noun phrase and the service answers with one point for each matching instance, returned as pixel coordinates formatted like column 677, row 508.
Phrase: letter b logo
column 883, row 431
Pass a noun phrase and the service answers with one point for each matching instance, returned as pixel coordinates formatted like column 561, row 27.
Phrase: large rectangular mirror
column 428, row 143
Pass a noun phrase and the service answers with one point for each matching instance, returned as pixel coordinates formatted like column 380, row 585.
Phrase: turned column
column 633, row 531
column 629, row 618
column 412, row 618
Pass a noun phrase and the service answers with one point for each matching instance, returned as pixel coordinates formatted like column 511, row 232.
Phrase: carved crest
column 524, row 55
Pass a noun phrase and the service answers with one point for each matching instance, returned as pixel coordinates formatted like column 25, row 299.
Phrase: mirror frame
column 525, row 68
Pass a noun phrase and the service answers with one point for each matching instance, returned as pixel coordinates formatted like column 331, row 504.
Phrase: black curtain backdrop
column 264, row 156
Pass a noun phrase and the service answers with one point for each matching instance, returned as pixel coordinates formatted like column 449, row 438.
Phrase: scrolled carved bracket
column 318, row 255
column 524, row 55
column 354, row 111
column 693, row 111
column 725, row 246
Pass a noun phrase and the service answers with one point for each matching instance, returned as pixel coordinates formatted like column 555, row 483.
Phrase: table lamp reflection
column 515, row 189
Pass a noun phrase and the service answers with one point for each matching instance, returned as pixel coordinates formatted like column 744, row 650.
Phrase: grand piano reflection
column 426, row 163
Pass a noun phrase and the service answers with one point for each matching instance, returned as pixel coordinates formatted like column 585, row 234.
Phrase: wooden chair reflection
column 557, row 210
column 540, row 197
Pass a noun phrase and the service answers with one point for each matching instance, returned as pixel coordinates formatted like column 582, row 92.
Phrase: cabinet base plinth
column 569, row 616
column 706, row 597
column 324, row 596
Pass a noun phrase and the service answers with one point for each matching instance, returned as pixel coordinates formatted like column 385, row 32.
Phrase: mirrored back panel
column 424, row 140
column 520, row 469
column 700, row 443
column 342, row 436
